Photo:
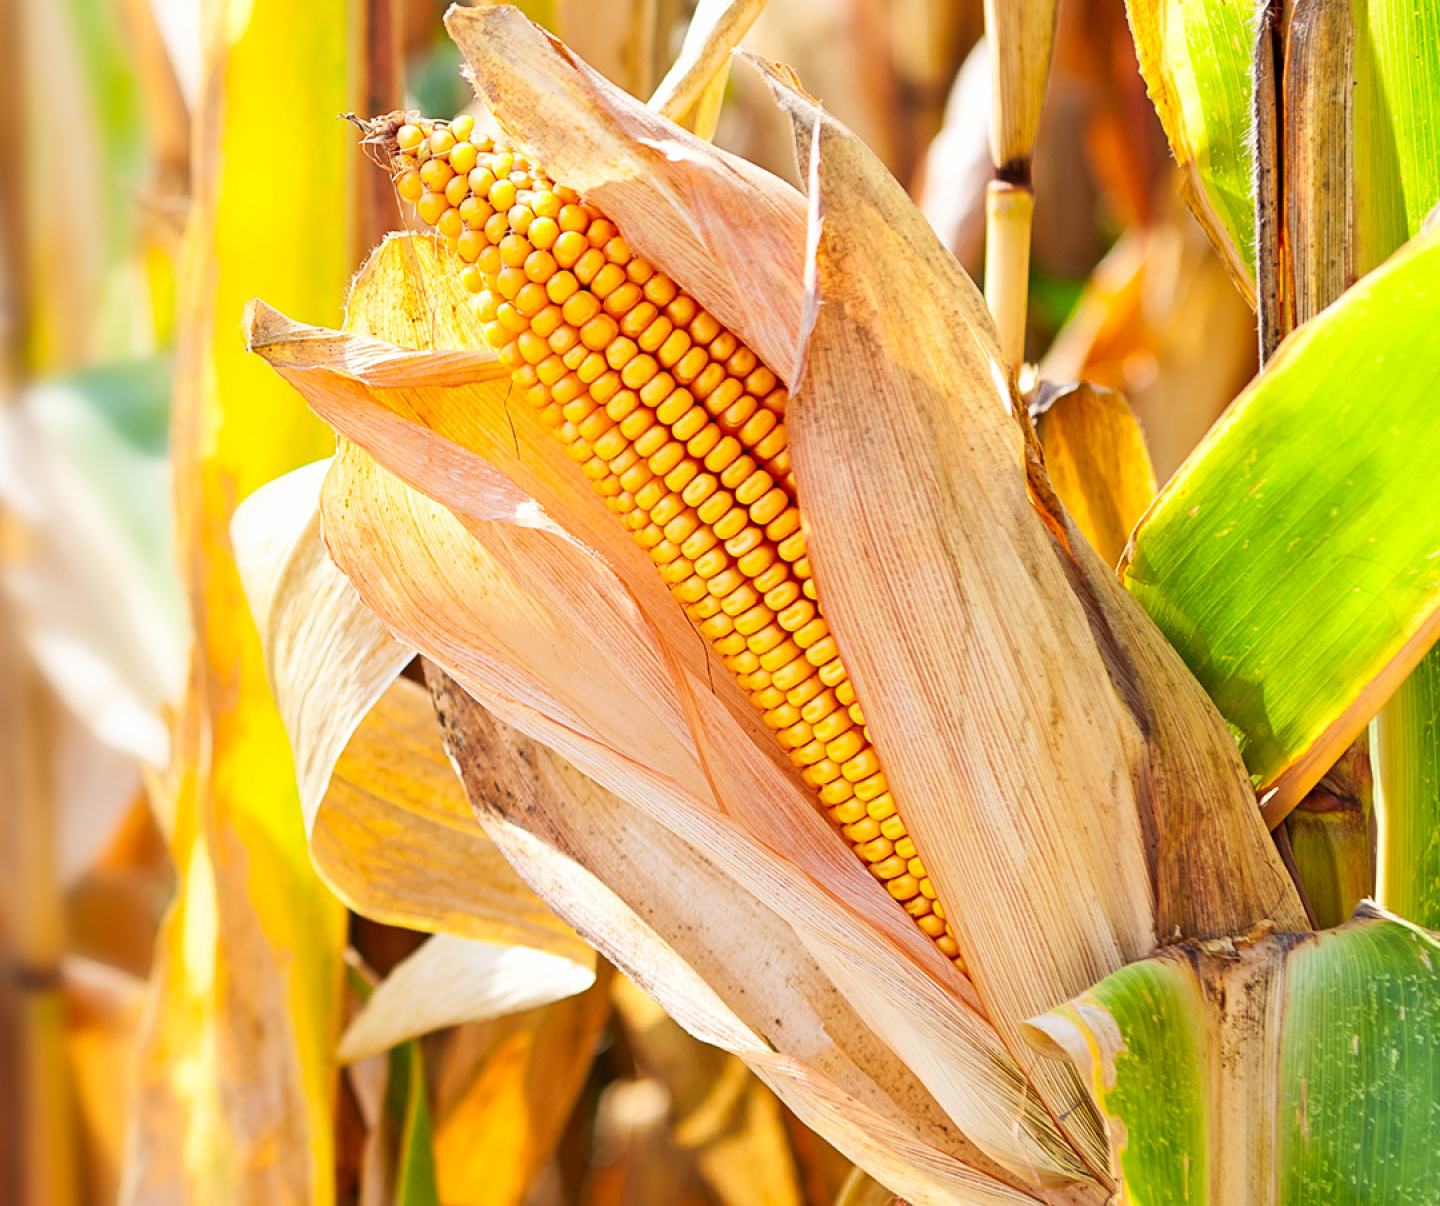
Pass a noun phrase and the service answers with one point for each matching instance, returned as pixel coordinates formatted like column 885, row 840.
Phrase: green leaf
column 1294, row 560
column 1290, row 1068
column 1405, row 744
column 1195, row 57
column 1396, row 142
column 409, row 1114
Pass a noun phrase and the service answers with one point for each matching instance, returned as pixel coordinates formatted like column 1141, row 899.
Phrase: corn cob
column 681, row 430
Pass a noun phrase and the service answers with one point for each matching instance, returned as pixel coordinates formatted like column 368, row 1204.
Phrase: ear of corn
column 681, row 430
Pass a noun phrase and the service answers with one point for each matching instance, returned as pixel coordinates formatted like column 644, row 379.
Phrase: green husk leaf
column 1280, row 1068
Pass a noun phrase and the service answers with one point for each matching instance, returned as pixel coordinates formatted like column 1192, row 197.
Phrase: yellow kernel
column 430, row 207
column 441, row 140
column 502, row 195
column 471, row 279
column 573, row 218
column 449, row 224
column 599, row 332
column 463, row 156
column 457, row 190
column 539, row 266
column 569, row 246
column 469, row 246
column 436, row 174
column 514, row 250
column 410, row 185
column 496, row 228
column 474, row 212
column 580, row 308
column 543, row 232
column 520, row 217
column 408, row 137
column 481, row 180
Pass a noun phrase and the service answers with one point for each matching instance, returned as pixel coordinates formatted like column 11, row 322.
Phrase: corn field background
column 232, row 971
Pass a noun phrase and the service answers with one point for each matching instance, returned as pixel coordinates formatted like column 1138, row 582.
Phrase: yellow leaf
column 237, row 1074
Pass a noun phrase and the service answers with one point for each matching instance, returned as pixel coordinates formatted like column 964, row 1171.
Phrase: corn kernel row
column 681, row 430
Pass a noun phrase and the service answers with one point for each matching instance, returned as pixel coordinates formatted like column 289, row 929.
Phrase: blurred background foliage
column 176, row 977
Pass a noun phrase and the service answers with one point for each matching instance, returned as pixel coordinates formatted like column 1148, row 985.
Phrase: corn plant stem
column 382, row 88
column 38, row 1165
column 1271, row 293
column 46, row 1148
column 1009, row 208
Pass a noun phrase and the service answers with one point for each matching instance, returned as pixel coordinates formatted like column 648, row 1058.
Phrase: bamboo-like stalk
column 1009, row 210
column 1021, row 34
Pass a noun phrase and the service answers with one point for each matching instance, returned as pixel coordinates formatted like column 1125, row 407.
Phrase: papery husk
column 734, row 976
column 1129, row 819
column 378, row 524
column 703, row 64
column 580, row 586
column 389, row 826
column 971, row 1072
column 839, row 1071
column 450, row 980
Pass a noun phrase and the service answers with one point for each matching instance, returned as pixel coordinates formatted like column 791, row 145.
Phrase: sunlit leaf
column 451, row 980
column 1278, row 1068
column 1264, row 557
column 237, row 1073
column 1195, row 56
column 1396, row 147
